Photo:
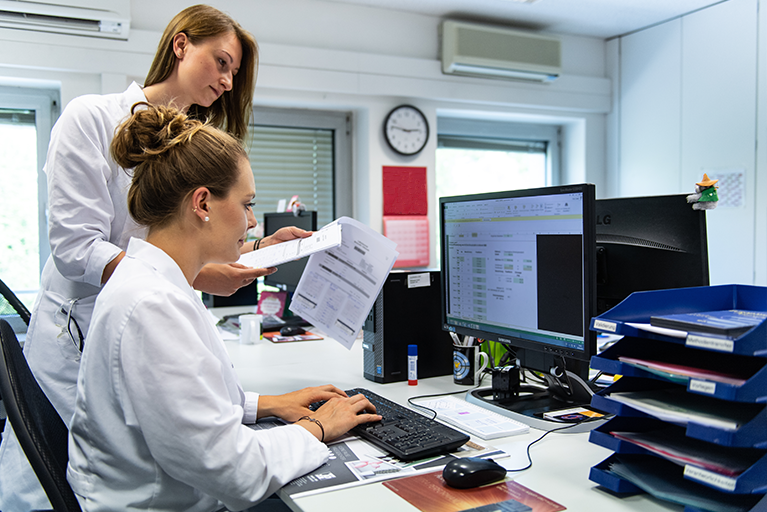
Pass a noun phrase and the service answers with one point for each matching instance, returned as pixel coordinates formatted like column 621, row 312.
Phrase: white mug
column 466, row 364
column 250, row 329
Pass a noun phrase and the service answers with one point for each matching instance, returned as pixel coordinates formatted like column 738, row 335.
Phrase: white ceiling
column 597, row 18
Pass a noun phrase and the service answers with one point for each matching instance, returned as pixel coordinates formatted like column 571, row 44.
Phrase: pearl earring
column 207, row 218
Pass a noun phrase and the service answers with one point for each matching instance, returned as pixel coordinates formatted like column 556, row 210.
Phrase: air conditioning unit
column 93, row 18
column 487, row 51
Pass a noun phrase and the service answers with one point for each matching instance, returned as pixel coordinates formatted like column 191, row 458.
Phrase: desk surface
column 561, row 462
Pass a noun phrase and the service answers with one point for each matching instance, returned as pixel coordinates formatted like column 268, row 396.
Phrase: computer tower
column 406, row 312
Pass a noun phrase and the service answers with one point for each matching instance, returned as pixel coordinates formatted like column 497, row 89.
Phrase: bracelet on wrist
column 256, row 244
column 313, row 420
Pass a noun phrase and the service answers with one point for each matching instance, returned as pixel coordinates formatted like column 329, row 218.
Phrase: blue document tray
column 601, row 475
column 761, row 506
column 751, row 481
column 638, row 307
column 601, row 435
column 750, row 435
column 752, row 368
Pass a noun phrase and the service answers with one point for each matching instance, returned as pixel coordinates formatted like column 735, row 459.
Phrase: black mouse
column 291, row 330
column 469, row 472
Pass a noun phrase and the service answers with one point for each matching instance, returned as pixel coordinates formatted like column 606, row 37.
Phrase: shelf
column 640, row 306
column 752, row 480
column 753, row 369
column 752, row 434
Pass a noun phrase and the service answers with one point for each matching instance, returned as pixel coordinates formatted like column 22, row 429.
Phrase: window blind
column 292, row 161
column 486, row 143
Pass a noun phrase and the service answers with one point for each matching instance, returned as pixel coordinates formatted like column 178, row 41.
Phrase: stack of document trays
column 690, row 407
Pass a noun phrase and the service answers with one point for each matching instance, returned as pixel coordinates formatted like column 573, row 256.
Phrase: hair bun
column 149, row 132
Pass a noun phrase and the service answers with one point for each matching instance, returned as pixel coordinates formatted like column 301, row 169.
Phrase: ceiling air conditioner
column 93, row 18
column 494, row 52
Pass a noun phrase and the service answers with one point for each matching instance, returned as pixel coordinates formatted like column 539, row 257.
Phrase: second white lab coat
column 159, row 415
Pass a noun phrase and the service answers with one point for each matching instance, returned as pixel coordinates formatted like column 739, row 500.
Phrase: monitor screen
column 518, row 267
column 288, row 274
column 648, row 243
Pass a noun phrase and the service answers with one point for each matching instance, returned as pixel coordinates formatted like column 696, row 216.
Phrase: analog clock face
column 406, row 130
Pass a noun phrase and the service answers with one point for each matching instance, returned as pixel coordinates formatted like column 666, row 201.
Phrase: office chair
column 40, row 431
column 10, row 304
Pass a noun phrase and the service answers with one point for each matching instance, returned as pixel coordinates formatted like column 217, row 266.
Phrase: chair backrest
column 10, row 304
column 39, row 428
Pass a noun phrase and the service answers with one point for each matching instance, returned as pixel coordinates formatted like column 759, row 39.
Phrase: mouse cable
column 410, row 400
column 529, row 458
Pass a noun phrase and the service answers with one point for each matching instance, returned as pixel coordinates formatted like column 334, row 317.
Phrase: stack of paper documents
column 348, row 263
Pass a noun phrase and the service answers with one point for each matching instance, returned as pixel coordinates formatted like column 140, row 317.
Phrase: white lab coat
column 89, row 225
column 158, row 421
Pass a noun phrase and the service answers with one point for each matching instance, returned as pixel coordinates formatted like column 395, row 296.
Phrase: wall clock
column 406, row 130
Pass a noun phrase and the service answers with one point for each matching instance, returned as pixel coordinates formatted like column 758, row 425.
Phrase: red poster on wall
column 404, row 191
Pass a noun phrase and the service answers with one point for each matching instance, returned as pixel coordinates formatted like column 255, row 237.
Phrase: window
column 470, row 165
column 303, row 153
column 477, row 156
column 26, row 117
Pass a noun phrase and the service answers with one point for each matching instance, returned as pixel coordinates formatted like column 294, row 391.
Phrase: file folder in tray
column 753, row 462
column 751, row 433
column 603, row 474
column 639, row 307
column 708, row 365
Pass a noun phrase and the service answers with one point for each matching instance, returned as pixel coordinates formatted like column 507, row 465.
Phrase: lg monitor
column 288, row 274
column 519, row 268
column 648, row 243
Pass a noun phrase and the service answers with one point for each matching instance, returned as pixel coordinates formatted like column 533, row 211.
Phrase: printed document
column 339, row 285
column 327, row 237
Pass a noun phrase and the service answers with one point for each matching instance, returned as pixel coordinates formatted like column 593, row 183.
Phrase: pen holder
column 250, row 329
column 466, row 364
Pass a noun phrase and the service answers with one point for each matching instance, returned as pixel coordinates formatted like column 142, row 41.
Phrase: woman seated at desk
column 160, row 418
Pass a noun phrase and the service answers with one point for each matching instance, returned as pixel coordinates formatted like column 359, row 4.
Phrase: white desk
column 561, row 462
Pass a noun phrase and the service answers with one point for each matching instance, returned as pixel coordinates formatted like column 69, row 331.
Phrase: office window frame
column 45, row 102
column 341, row 124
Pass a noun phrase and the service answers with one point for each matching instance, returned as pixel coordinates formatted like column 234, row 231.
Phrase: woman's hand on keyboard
column 292, row 406
column 340, row 414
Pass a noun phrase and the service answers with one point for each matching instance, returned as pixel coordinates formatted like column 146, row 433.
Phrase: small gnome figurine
column 705, row 196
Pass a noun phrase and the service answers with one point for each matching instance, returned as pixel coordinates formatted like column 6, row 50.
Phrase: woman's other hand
column 225, row 279
column 284, row 235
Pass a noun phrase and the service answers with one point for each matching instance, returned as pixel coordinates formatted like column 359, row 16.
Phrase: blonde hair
column 230, row 112
column 171, row 156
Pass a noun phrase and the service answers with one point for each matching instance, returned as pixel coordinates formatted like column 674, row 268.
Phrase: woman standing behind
column 205, row 64
column 159, row 415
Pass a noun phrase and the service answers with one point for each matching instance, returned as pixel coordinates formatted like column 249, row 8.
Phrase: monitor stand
column 532, row 402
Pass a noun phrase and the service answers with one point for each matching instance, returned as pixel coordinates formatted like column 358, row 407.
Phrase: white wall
column 327, row 55
column 686, row 103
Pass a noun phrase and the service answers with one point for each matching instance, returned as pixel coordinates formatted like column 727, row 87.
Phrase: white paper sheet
column 327, row 237
column 340, row 285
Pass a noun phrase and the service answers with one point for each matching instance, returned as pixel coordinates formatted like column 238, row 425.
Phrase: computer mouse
column 291, row 330
column 469, row 472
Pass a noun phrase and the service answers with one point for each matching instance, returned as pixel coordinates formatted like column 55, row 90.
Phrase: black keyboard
column 405, row 433
column 269, row 324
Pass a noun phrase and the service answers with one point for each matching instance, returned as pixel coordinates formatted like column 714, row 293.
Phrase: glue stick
column 412, row 365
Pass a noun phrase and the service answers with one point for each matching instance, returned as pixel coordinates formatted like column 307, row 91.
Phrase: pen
column 456, row 339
